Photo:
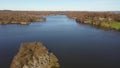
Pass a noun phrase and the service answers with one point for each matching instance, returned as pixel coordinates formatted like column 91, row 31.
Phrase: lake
column 75, row 45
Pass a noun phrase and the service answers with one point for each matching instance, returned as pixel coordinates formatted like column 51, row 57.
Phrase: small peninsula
column 34, row 55
column 14, row 17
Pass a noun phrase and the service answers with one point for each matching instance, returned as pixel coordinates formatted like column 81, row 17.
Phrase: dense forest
column 107, row 20
column 10, row 17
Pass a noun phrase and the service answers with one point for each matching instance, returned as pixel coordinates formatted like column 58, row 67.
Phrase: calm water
column 76, row 45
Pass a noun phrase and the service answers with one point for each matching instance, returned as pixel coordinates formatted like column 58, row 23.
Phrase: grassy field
column 115, row 25
column 112, row 25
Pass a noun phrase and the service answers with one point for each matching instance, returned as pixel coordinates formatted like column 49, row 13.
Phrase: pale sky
column 61, row 5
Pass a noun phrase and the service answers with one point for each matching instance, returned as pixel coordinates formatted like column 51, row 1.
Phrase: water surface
column 75, row 45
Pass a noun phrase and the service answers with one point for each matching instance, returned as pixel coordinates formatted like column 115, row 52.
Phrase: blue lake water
column 75, row 45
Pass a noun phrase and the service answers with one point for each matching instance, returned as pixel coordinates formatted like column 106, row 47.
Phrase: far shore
column 107, row 20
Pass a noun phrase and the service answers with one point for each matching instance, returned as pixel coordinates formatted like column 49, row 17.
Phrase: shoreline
column 106, row 20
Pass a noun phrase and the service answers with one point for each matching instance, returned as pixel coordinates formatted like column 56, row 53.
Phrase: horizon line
column 59, row 10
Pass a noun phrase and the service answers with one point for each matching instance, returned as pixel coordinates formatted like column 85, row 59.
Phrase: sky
column 61, row 5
